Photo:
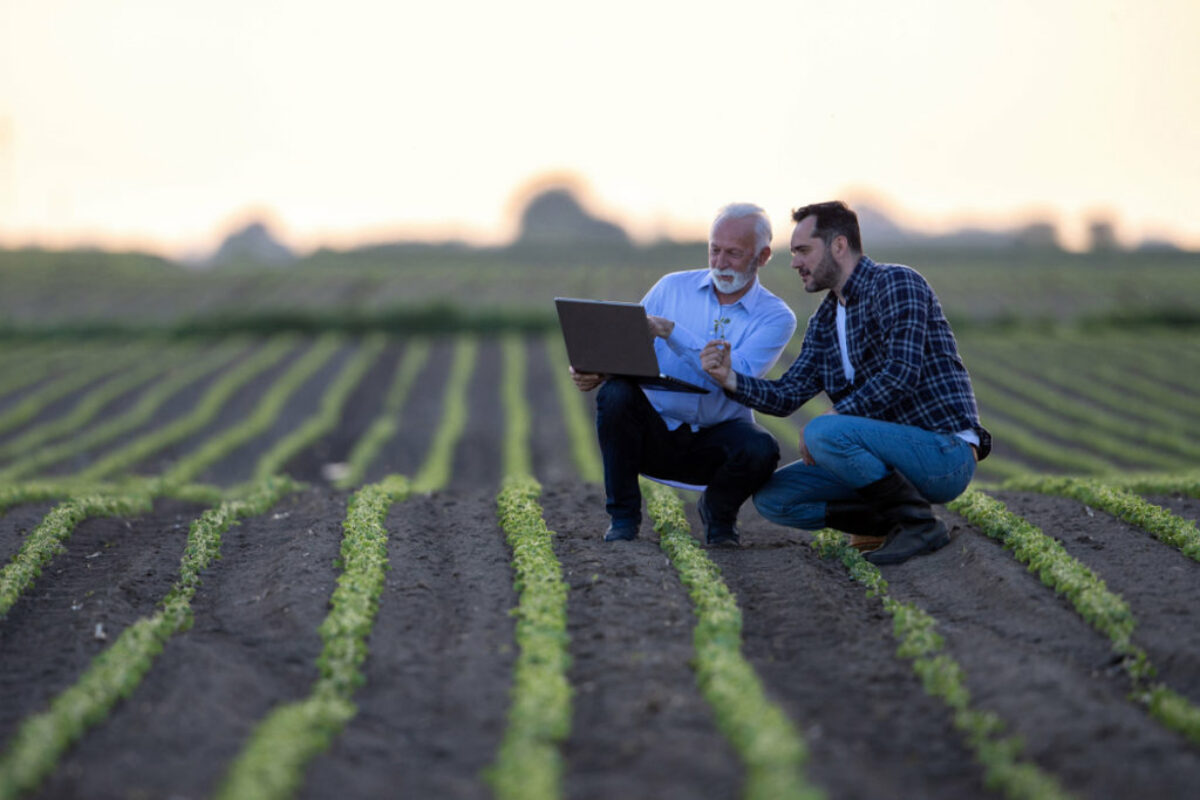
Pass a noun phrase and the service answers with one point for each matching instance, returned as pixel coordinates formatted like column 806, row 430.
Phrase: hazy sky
column 162, row 124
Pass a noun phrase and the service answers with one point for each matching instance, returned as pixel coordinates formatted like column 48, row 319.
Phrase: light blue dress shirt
column 758, row 327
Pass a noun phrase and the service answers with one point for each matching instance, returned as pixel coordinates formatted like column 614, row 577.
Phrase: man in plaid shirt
column 903, row 431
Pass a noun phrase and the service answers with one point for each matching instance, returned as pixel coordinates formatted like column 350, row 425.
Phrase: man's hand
column 586, row 381
column 717, row 363
column 660, row 326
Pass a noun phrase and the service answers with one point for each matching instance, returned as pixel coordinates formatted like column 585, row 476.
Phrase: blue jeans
column 732, row 458
column 851, row 452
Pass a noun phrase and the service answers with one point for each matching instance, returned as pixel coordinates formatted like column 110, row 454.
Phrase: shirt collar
column 748, row 301
column 858, row 279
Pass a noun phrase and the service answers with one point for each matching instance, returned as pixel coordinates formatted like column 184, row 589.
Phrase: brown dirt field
column 432, row 711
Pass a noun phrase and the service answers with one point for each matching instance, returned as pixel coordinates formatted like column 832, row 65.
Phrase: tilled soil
column 432, row 709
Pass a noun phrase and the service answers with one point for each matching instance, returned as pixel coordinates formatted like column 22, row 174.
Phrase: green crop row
column 529, row 762
column 77, row 378
column 142, row 411
column 1069, row 419
column 92, row 403
column 384, row 427
column 260, row 420
column 206, row 410
column 943, row 678
column 1033, row 445
column 272, row 763
column 326, row 420
column 580, row 431
column 41, row 739
column 435, row 472
column 1143, row 406
column 770, row 747
column 1187, row 482
column 45, row 541
column 1105, row 611
column 517, row 458
column 1121, row 503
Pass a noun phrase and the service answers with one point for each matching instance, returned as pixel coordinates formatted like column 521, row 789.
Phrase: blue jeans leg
column 851, row 452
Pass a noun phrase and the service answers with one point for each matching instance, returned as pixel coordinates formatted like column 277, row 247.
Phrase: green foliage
column 139, row 414
column 528, row 763
column 41, row 739
column 1155, row 520
column 45, row 541
column 329, row 414
column 384, row 427
column 101, row 364
column 768, row 744
column 272, row 763
column 205, row 411
column 517, row 459
column 943, row 678
column 261, row 419
column 435, row 472
column 92, row 403
column 582, row 434
column 1105, row 611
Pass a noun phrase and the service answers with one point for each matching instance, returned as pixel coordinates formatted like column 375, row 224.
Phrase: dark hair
column 834, row 218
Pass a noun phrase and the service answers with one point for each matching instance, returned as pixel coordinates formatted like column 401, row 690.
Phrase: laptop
column 614, row 338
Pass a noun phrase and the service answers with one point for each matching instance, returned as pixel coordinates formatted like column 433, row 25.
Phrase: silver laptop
column 614, row 338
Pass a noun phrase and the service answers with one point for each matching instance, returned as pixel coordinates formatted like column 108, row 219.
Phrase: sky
column 161, row 126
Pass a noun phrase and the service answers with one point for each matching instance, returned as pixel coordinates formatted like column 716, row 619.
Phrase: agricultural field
column 256, row 566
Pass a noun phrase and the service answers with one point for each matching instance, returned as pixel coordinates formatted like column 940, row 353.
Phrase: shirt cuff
column 683, row 342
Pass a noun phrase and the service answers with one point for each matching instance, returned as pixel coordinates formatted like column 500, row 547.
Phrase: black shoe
column 914, row 530
column 621, row 533
column 717, row 534
column 911, row 539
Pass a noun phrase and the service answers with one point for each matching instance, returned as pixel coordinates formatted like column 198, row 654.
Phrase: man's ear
column 764, row 256
column 840, row 246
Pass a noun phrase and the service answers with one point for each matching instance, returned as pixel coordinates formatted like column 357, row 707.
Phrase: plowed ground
column 433, row 708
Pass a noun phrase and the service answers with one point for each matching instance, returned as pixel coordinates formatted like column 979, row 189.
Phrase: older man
column 904, row 429
column 705, row 439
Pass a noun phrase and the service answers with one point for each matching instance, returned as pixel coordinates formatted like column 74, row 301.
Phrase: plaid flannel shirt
column 906, row 364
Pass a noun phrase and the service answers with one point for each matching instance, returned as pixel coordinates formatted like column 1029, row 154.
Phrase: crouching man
column 704, row 439
column 904, row 428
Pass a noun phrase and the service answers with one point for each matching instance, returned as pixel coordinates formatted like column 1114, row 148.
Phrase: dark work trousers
column 732, row 458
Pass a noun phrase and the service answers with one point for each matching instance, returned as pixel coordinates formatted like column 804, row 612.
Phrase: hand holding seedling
column 715, row 358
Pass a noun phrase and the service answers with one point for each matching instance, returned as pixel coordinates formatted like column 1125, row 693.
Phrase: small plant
column 719, row 328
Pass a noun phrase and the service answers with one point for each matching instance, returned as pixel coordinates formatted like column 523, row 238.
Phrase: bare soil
column 432, row 710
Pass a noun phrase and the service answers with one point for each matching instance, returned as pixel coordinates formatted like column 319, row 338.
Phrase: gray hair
column 762, row 223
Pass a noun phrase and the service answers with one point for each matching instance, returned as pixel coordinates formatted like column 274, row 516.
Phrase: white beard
column 738, row 279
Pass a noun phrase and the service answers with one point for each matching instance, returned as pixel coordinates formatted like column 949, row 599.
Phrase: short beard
column 740, row 279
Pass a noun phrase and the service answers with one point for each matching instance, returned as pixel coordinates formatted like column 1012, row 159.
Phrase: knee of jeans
column 767, row 503
column 820, row 432
column 616, row 393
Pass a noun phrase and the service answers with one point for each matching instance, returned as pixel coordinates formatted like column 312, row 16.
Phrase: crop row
column 944, row 679
column 1101, row 608
column 273, row 761
column 761, row 734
